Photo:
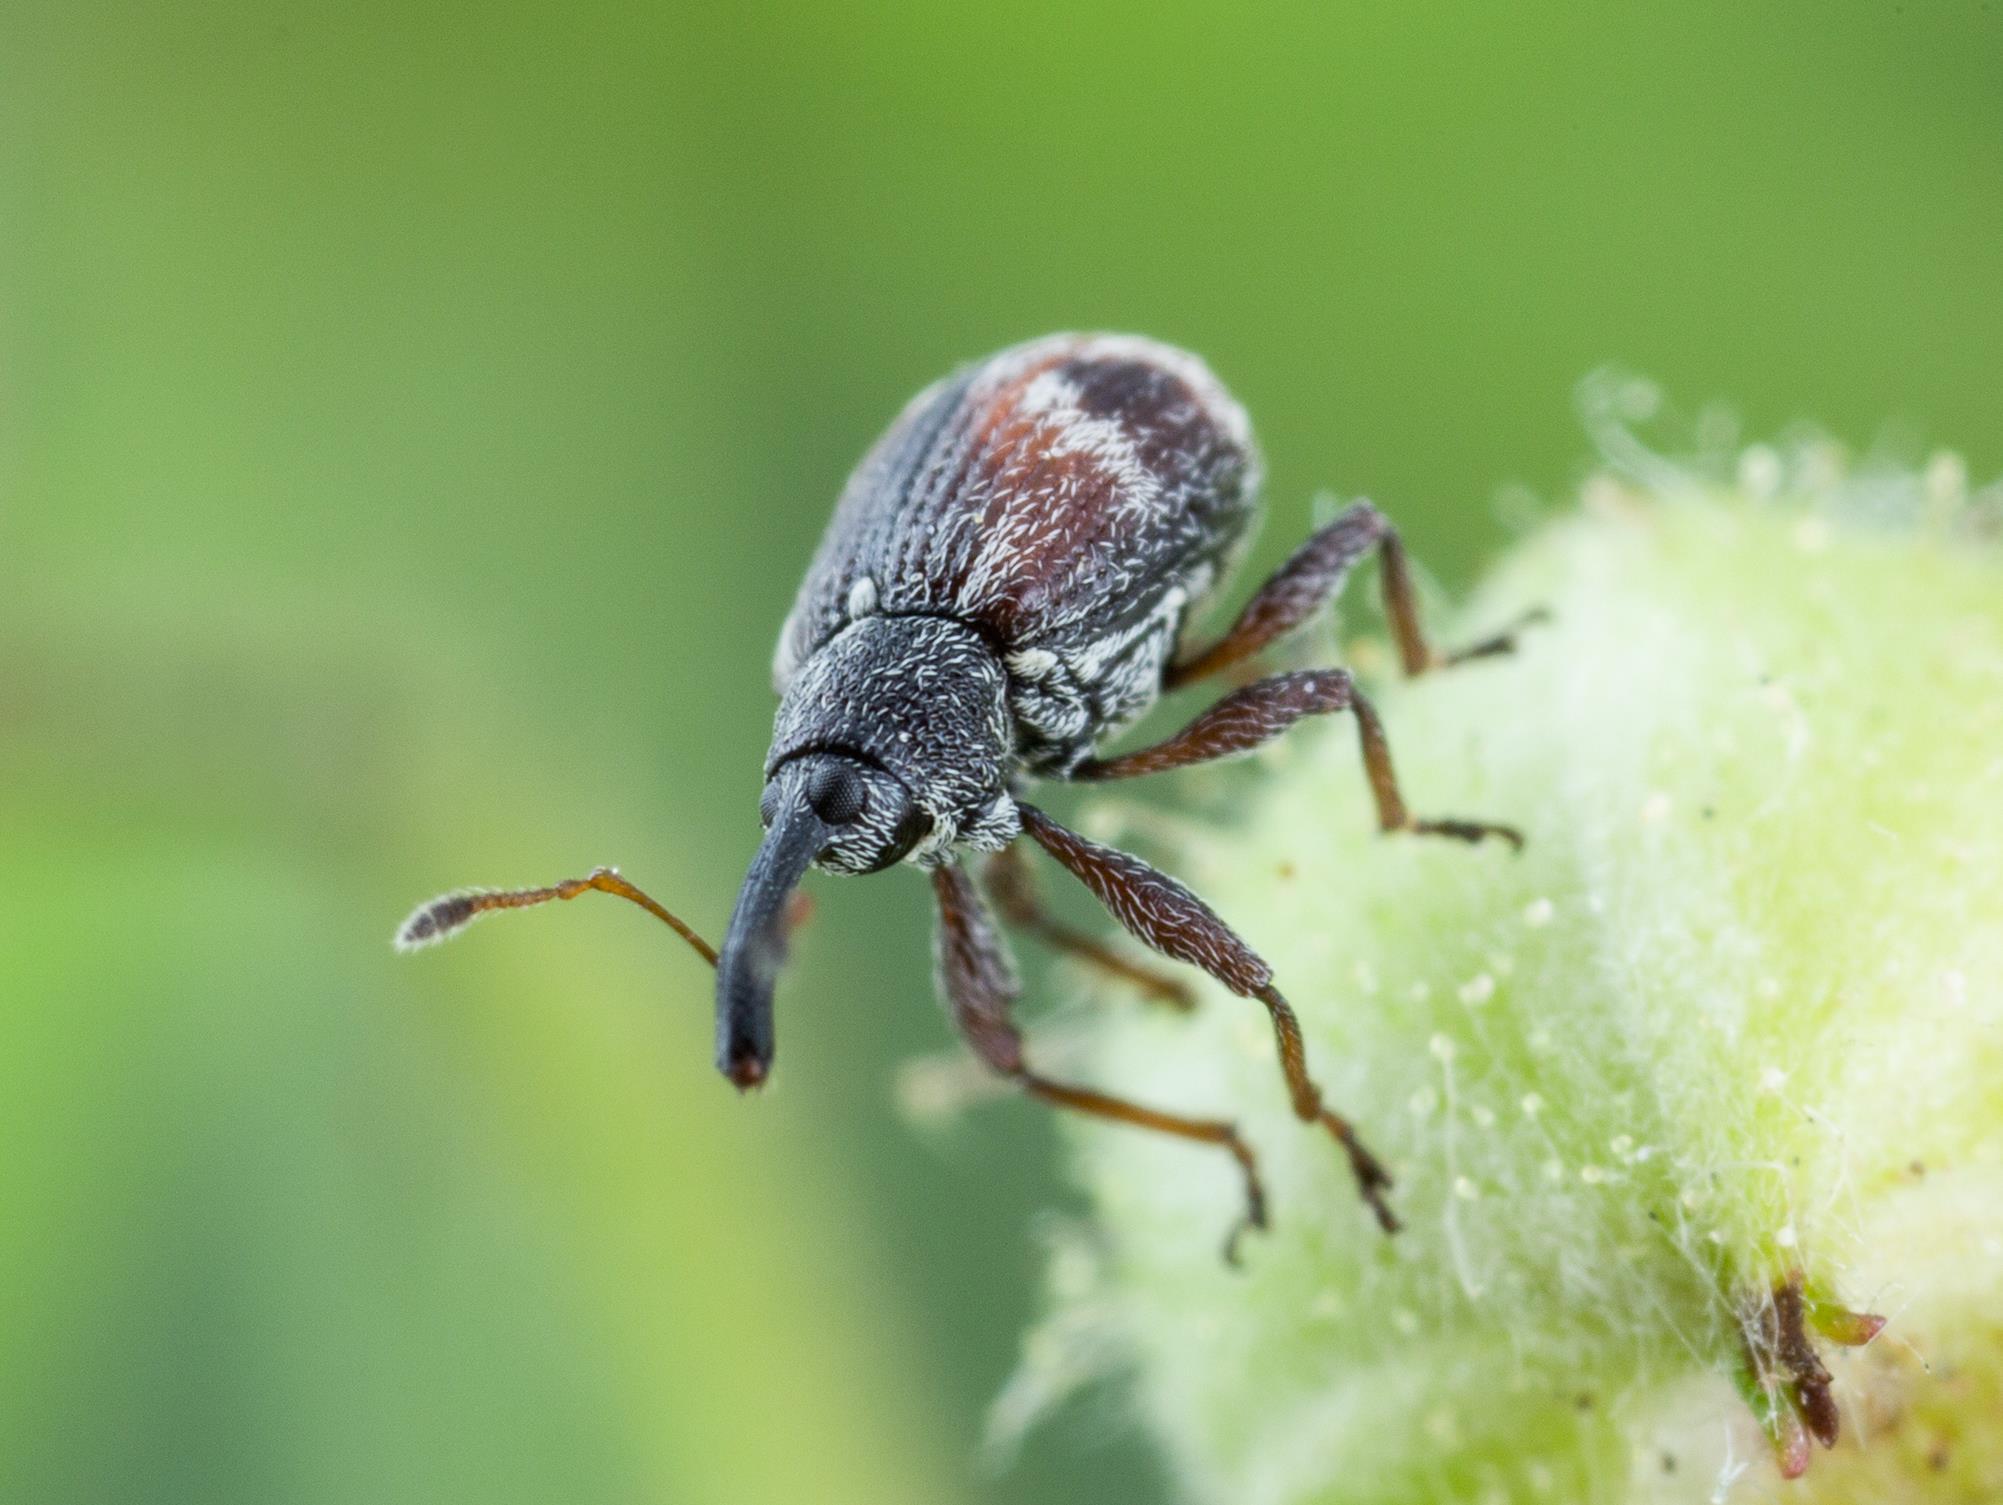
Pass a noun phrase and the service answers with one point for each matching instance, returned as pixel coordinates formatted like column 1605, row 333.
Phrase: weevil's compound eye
column 839, row 793
column 870, row 816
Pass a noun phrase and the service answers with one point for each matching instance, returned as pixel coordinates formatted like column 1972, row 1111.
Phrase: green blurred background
column 413, row 421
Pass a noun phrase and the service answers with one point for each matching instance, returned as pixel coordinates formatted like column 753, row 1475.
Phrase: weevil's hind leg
column 1312, row 578
column 1401, row 610
column 446, row 916
column 980, row 986
column 1261, row 711
column 1166, row 916
column 1013, row 889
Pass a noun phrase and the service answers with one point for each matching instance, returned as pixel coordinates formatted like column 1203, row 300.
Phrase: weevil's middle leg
column 1162, row 913
column 1392, row 813
column 1013, row 889
column 1215, row 1131
column 1313, row 577
column 1261, row 711
column 980, row 987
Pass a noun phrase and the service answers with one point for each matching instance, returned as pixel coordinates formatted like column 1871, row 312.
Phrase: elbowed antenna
column 754, row 947
column 447, row 915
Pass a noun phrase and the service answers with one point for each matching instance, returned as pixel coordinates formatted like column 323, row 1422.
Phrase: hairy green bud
column 1673, row 1098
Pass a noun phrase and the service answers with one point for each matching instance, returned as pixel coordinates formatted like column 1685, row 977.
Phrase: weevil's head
column 907, row 721
column 867, row 816
column 892, row 744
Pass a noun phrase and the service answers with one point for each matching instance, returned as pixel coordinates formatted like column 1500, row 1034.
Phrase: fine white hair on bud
column 1675, row 1099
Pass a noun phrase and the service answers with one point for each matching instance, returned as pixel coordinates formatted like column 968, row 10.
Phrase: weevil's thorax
column 1069, row 697
column 926, row 700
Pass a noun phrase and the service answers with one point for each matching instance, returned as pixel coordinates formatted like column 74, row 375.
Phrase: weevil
column 1012, row 577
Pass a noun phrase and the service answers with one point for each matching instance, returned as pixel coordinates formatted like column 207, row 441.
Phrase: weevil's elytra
column 1009, row 579
column 1069, row 500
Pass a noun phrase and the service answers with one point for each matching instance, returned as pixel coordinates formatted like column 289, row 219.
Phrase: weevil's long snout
column 754, row 947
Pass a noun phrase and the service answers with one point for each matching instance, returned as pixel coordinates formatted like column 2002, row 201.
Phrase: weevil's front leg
column 1247, row 718
column 1162, row 913
column 980, row 986
column 1312, row 578
column 1013, row 889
